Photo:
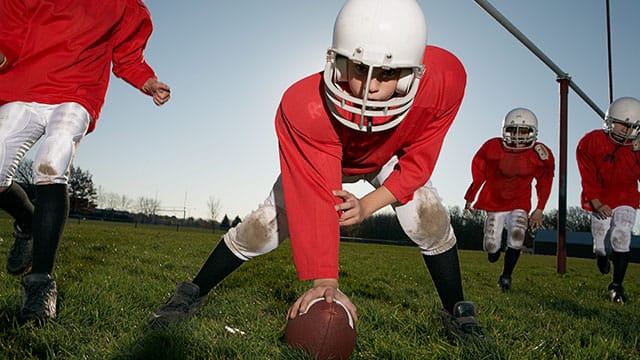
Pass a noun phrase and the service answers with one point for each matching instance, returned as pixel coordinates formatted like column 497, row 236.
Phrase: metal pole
column 531, row 46
column 609, row 55
column 561, row 255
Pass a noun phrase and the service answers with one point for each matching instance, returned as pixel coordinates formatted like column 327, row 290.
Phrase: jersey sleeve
column 13, row 23
column 439, row 100
column 311, row 168
column 478, row 174
column 544, row 180
column 416, row 164
column 129, row 42
column 588, row 173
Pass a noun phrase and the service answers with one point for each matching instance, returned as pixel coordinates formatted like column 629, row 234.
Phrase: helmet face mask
column 381, row 35
column 622, row 121
column 519, row 129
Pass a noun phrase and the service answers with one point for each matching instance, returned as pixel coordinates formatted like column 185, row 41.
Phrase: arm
column 353, row 210
column 591, row 189
column 478, row 175
column 12, row 32
column 544, row 182
column 129, row 42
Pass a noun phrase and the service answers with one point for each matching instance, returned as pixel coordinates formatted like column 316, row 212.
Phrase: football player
column 55, row 61
column 379, row 111
column 609, row 167
column 505, row 168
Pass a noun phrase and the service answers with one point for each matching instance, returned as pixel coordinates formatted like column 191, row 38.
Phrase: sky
column 228, row 63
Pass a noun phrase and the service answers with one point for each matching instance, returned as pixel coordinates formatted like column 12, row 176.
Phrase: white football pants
column 22, row 124
column 613, row 233
column 424, row 219
column 516, row 222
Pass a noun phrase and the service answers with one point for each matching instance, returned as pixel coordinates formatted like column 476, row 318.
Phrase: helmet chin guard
column 384, row 34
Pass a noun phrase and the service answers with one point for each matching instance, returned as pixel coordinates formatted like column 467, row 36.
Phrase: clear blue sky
column 229, row 62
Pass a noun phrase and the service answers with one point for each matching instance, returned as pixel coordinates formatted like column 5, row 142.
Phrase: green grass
column 111, row 276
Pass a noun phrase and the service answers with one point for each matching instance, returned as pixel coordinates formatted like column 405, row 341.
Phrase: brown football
column 325, row 331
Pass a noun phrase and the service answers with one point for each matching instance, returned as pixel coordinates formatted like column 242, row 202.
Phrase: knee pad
column 493, row 225
column 620, row 240
column 256, row 235
column 426, row 221
column 517, row 229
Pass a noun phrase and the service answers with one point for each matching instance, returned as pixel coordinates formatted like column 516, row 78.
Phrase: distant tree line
column 88, row 202
column 468, row 227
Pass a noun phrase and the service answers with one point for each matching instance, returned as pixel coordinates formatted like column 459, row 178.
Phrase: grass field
column 111, row 276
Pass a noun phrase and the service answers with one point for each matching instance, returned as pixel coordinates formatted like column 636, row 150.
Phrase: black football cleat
column 185, row 302
column 504, row 283
column 616, row 294
column 462, row 324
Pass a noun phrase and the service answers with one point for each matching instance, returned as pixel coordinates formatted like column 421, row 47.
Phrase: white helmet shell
column 387, row 34
column 625, row 111
column 516, row 120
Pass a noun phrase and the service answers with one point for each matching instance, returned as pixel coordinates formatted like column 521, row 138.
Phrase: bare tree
column 214, row 207
column 148, row 206
column 111, row 200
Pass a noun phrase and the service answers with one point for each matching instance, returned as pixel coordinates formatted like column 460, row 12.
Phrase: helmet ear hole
column 404, row 82
column 340, row 69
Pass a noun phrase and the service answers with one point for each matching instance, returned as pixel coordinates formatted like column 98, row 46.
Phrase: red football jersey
column 316, row 150
column 609, row 172
column 62, row 50
column 506, row 176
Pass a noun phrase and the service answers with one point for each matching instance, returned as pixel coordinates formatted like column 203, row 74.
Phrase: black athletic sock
column 50, row 216
column 620, row 261
column 14, row 200
column 511, row 257
column 445, row 273
column 218, row 266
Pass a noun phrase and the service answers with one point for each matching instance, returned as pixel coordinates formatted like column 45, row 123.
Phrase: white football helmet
column 519, row 129
column 625, row 111
column 387, row 34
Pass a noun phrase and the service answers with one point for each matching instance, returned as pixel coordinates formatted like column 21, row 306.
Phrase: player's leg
column 426, row 221
column 66, row 126
column 20, row 128
column 260, row 232
column 517, row 222
column 601, row 242
column 624, row 218
column 492, row 240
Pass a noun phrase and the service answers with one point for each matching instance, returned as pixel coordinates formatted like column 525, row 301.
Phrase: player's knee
column 620, row 240
column 517, row 239
column 257, row 234
column 433, row 222
column 491, row 247
column 432, row 228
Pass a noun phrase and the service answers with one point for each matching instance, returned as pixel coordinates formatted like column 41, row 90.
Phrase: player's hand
column 351, row 209
column 603, row 212
column 468, row 209
column 160, row 91
column 327, row 288
column 535, row 219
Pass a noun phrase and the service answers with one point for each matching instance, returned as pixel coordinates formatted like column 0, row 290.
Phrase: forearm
column 377, row 199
